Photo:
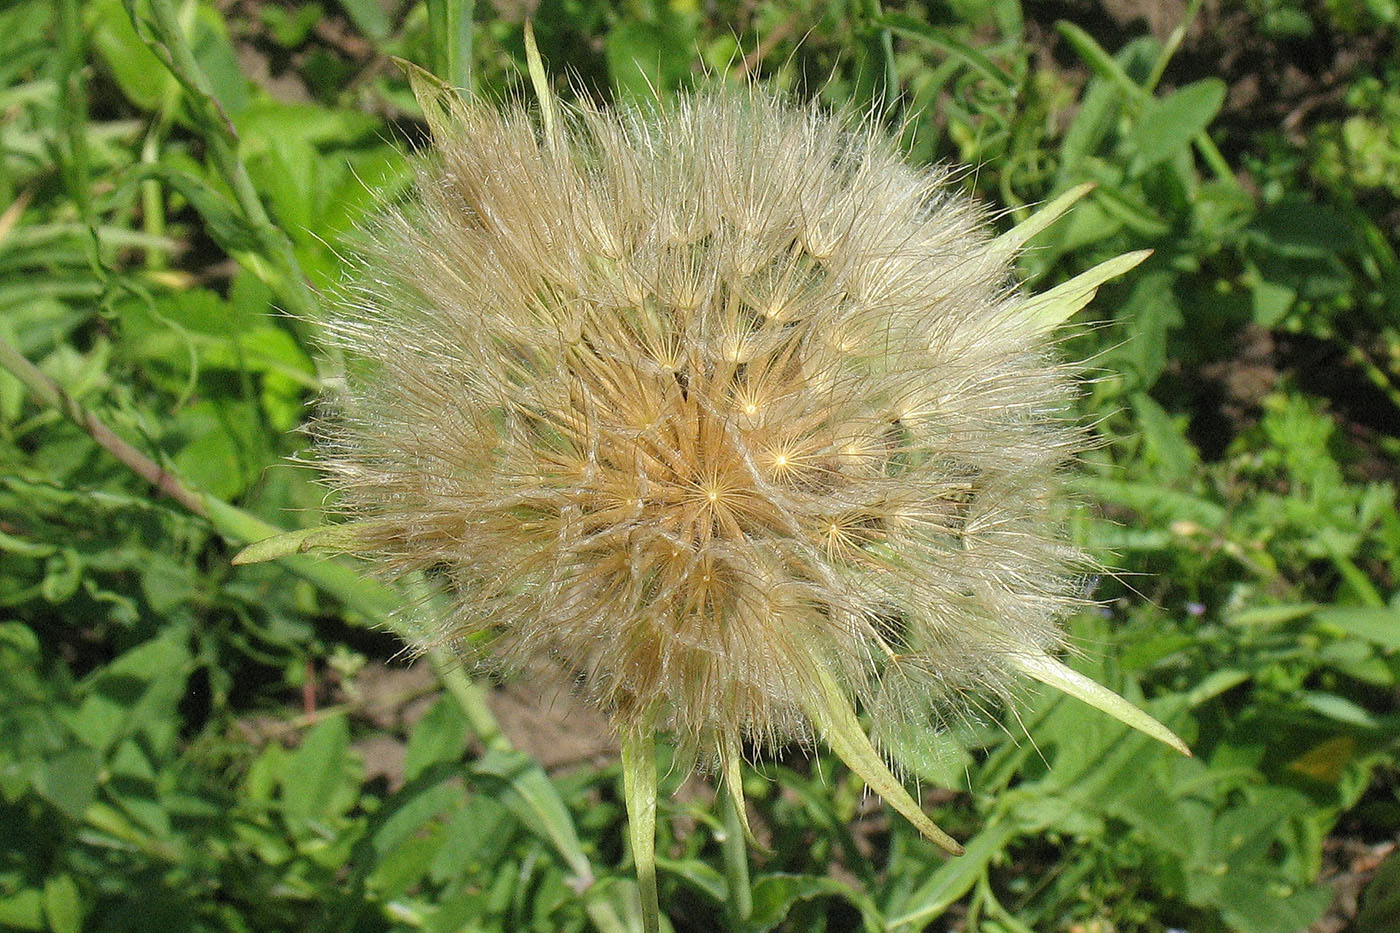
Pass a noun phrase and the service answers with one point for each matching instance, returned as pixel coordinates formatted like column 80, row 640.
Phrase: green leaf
column 136, row 693
column 951, row 880
column 1167, row 448
column 917, row 28
column 368, row 16
column 316, row 770
column 1272, row 301
column 440, row 737
column 1298, row 229
column 774, row 896
column 141, row 76
column 222, row 220
column 527, row 791
column 1149, row 315
column 225, row 449
column 1380, row 903
column 698, row 875
column 646, row 60
column 1153, row 501
column 476, row 840
column 68, row 780
column 23, row 910
column 1380, row 626
column 1168, row 124
column 63, row 907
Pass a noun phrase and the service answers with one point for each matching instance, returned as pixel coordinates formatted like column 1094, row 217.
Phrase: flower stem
column 450, row 33
column 639, row 789
column 736, row 862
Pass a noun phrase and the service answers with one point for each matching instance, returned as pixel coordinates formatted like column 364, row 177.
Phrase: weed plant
column 190, row 745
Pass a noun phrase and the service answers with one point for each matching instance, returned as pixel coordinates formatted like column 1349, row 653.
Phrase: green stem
column 639, row 789
column 53, row 395
column 736, row 862
column 152, row 190
column 471, row 700
column 1173, row 43
column 172, row 46
column 450, row 33
column 74, row 118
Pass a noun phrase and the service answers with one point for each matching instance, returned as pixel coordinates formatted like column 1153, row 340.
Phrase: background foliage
column 193, row 746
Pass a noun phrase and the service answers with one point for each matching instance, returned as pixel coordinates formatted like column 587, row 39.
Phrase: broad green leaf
column 138, row 692
column 1167, row 125
column 774, row 896
column 139, row 74
column 316, row 770
column 414, row 807
column 476, row 840
column 223, row 450
column 645, row 59
column 1380, row 626
column 63, row 907
column 1166, row 445
column 1299, row 229
column 1380, row 903
column 440, row 736
column 368, row 16
column 23, row 909
column 68, row 780
column 1148, row 316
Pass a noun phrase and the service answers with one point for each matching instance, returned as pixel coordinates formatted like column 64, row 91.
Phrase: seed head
column 721, row 404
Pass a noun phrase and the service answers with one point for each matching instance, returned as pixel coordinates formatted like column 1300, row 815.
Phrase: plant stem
column 736, row 862
column 450, row 30
column 1173, row 43
column 53, row 395
column 172, row 47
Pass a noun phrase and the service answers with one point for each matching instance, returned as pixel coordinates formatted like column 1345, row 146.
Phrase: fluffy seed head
column 717, row 403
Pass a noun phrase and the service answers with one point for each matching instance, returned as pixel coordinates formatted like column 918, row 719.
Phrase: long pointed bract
column 1067, row 680
column 839, row 727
